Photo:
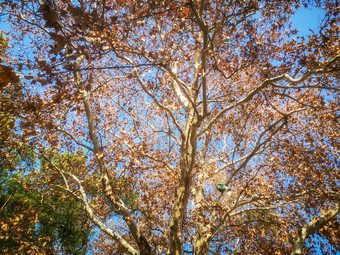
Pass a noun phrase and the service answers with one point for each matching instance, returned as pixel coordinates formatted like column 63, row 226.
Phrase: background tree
column 36, row 219
column 169, row 99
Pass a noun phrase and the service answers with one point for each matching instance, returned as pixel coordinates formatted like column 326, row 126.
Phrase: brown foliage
column 170, row 98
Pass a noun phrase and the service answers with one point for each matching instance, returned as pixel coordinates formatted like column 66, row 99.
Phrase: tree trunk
column 187, row 162
column 201, row 246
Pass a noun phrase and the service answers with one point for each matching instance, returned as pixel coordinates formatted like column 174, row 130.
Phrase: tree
column 34, row 219
column 170, row 99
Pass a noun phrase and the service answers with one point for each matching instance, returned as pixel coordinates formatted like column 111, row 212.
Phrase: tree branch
column 144, row 87
column 313, row 226
column 98, row 223
column 75, row 139
column 99, row 154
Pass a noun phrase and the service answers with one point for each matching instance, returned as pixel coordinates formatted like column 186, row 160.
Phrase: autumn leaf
column 7, row 75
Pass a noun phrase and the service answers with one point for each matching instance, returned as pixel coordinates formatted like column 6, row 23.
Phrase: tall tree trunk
column 187, row 162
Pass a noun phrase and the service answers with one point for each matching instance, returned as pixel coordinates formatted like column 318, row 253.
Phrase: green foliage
column 261, row 218
column 64, row 223
column 35, row 215
column 123, row 187
column 3, row 43
column 34, row 219
column 130, row 199
column 60, row 222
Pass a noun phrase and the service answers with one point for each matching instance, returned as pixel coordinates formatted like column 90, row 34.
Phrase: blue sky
column 305, row 19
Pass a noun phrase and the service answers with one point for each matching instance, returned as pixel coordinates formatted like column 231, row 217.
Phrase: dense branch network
column 169, row 99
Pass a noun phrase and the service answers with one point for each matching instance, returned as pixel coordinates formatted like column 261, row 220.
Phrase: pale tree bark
column 187, row 162
column 313, row 226
column 189, row 141
column 81, row 196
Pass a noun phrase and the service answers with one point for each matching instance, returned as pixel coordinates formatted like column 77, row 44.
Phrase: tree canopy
column 148, row 111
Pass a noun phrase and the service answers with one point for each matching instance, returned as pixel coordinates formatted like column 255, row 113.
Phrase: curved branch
column 313, row 226
column 306, row 86
column 144, row 87
column 88, row 209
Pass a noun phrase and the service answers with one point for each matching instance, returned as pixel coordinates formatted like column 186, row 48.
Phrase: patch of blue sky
column 307, row 20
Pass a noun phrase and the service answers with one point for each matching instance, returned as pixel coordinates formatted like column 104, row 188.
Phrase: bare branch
column 75, row 139
column 98, row 223
column 135, row 116
column 304, row 86
column 99, row 154
column 58, row 170
column 176, row 85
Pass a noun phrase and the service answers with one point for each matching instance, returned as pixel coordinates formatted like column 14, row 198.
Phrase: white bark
column 314, row 225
